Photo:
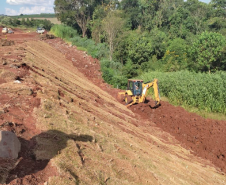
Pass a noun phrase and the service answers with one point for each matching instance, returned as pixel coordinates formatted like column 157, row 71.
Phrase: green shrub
column 64, row 32
column 111, row 73
column 82, row 49
column 99, row 50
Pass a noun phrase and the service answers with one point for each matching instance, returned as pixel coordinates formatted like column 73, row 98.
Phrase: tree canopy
column 142, row 35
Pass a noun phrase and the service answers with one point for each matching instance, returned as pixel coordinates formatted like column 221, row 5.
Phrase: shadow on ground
column 36, row 153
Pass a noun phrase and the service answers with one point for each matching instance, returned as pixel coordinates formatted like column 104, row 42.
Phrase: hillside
column 73, row 130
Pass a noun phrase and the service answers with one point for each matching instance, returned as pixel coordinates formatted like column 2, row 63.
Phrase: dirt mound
column 47, row 36
column 204, row 137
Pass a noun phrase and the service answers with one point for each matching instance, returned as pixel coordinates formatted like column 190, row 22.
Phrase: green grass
column 205, row 92
column 64, row 32
column 81, row 49
column 99, row 50
column 69, row 34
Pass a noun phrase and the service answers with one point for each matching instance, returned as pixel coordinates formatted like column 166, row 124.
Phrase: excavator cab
column 135, row 86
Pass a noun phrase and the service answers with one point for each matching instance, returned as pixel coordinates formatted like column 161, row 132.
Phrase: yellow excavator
column 137, row 91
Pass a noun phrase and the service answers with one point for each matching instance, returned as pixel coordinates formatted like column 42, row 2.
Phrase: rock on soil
column 9, row 145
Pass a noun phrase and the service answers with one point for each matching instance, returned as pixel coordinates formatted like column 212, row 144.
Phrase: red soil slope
column 205, row 137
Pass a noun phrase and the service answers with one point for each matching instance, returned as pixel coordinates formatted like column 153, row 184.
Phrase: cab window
column 131, row 86
column 137, row 85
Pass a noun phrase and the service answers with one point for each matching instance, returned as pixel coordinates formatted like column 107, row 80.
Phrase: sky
column 17, row 7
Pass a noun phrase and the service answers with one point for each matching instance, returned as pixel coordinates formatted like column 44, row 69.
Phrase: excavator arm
column 146, row 86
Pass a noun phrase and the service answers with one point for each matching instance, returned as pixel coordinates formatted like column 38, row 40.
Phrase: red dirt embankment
column 205, row 137
column 17, row 102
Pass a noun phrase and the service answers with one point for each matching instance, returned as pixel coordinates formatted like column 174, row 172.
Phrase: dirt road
column 61, row 93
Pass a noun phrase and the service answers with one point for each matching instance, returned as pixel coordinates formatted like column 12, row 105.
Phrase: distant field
column 53, row 20
column 50, row 17
column 43, row 15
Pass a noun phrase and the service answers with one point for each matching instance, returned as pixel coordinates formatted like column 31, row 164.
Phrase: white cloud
column 30, row 7
column 31, row 10
column 36, row 10
column 31, row 2
column 9, row 11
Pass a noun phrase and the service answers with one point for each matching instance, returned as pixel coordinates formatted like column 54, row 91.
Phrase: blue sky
column 16, row 7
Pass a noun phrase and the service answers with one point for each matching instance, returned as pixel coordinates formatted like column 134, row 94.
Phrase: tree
column 6, row 21
column 96, row 23
column 112, row 25
column 198, row 13
column 139, row 47
column 220, row 7
column 159, row 40
column 175, row 57
column 207, row 50
column 15, row 22
column 134, row 46
column 79, row 10
column 148, row 11
column 130, row 69
column 23, row 22
column 165, row 10
column 28, row 23
column 132, row 13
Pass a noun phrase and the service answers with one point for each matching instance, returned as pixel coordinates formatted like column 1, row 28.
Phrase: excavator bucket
column 157, row 104
column 121, row 97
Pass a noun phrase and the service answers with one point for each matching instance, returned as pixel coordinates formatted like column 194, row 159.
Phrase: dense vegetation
column 207, row 92
column 161, row 39
column 69, row 34
column 26, row 22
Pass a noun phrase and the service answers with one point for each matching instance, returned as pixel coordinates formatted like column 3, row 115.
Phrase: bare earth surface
column 73, row 131
column 205, row 137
